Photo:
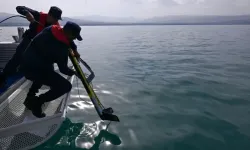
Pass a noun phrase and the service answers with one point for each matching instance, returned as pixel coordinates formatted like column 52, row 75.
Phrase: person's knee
column 67, row 86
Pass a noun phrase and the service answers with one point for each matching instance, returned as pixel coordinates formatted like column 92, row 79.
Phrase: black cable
column 12, row 17
column 18, row 16
column 77, row 85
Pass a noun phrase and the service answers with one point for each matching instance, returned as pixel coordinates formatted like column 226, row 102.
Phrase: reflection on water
column 82, row 136
column 106, row 92
column 81, row 105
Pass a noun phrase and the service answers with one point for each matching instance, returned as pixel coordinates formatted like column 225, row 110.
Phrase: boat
column 19, row 129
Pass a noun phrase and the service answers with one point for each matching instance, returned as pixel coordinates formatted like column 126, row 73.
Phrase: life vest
column 42, row 21
column 58, row 33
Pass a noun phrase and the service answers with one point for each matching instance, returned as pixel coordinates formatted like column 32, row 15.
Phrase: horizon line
column 193, row 15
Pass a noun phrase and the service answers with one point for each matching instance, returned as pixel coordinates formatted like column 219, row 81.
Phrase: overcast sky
column 134, row 8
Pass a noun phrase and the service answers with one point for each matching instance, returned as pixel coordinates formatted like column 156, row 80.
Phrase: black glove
column 76, row 74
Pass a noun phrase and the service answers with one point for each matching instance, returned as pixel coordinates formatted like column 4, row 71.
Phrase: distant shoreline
column 137, row 24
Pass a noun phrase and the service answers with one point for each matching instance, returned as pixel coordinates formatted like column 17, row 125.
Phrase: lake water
column 173, row 87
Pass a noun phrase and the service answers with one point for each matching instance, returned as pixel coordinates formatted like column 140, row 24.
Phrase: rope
column 78, row 89
column 18, row 16
column 12, row 17
column 79, row 95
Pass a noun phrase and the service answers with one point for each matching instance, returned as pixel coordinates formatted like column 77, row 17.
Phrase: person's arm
column 25, row 10
column 73, row 45
column 62, row 62
column 74, row 48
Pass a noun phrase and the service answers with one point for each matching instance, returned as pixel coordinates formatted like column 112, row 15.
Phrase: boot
column 37, row 110
column 29, row 99
column 28, row 102
column 35, row 105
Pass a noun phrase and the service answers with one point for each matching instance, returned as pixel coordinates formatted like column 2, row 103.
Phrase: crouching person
column 49, row 47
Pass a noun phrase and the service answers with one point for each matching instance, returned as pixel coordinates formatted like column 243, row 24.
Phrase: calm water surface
column 173, row 87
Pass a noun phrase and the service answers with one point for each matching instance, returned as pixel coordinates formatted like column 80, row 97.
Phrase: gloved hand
column 77, row 55
column 30, row 17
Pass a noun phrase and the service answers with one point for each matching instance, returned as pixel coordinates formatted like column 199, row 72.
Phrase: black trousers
column 13, row 64
column 35, row 87
column 11, row 67
column 57, row 83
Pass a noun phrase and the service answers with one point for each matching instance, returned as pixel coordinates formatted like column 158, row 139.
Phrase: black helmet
column 55, row 12
column 74, row 28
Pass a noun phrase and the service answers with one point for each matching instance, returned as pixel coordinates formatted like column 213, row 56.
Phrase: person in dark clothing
column 38, row 59
column 38, row 21
column 45, row 20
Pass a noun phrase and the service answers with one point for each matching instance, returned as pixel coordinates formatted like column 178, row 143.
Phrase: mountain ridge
column 160, row 20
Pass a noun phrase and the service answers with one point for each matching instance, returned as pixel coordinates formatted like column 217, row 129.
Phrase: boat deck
column 19, row 129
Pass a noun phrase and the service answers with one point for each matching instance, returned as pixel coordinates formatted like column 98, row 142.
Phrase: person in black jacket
column 38, row 59
column 38, row 21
